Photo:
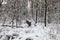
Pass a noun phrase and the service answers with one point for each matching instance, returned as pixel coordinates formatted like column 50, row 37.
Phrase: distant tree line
column 43, row 11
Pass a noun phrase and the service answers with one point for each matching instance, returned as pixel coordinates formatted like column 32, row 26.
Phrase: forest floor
column 34, row 32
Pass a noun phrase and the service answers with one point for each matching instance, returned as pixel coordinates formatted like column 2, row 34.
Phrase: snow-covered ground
column 35, row 32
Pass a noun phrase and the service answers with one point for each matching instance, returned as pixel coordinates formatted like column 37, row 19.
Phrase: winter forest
column 29, row 19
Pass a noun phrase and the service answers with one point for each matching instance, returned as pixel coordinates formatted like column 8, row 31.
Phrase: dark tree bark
column 45, row 12
column 36, row 11
column 36, row 15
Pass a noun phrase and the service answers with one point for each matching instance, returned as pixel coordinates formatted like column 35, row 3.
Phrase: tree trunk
column 36, row 15
column 4, row 21
column 32, row 9
column 16, row 22
column 45, row 11
column 12, row 21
